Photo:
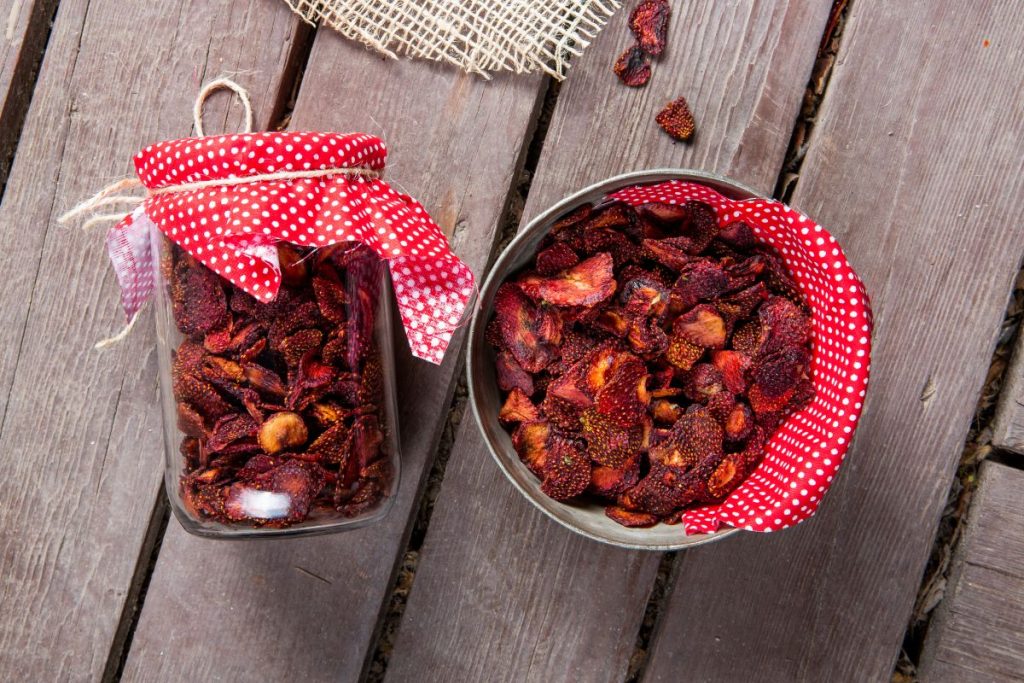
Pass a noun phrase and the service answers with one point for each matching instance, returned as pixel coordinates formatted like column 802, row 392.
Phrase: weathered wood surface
column 501, row 592
column 24, row 24
column 80, row 428
column 915, row 166
column 977, row 631
column 1008, row 425
column 307, row 609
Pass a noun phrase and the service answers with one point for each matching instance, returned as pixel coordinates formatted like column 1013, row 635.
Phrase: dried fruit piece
column 518, row 408
column 738, row 423
column 556, row 258
column 282, row 431
column 649, row 23
column 585, row 284
column 566, row 470
column 639, row 520
column 608, row 482
column 676, row 120
column 733, row 365
column 529, row 332
column 197, row 298
column 511, row 375
column 531, row 443
column 703, row 326
column 694, row 438
column 633, row 67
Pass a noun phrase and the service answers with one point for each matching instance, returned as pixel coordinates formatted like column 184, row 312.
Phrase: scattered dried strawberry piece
column 609, row 482
column 633, row 67
column 649, row 23
column 676, row 120
column 531, row 333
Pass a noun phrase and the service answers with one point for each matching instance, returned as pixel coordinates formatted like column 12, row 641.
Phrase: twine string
column 213, row 86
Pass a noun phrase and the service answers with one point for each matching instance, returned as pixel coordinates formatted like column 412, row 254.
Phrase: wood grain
column 81, row 429
column 1008, row 424
column 915, row 166
column 977, row 631
column 24, row 24
column 501, row 592
column 308, row 609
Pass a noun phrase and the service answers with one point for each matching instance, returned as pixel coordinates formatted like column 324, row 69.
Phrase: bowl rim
column 542, row 222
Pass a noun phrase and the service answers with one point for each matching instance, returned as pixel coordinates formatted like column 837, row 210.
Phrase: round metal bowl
column 587, row 519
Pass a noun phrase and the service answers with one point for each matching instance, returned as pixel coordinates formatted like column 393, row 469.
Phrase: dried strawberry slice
column 728, row 474
column 700, row 280
column 330, row 297
column 197, row 298
column 733, row 365
column 703, row 326
column 665, row 411
column 668, row 253
column 518, row 408
column 628, row 518
column 200, row 394
column 609, row 444
column 585, row 284
column 649, row 23
column 787, row 325
column 738, row 423
column 742, row 304
column 681, row 352
column 633, row 67
column 566, row 470
column 190, row 422
column 556, row 258
column 656, row 494
column 775, row 380
column 511, row 375
column 229, row 429
column 738, row 234
column 333, row 444
column 264, row 380
column 531, row 333
column 623, row 398
column 695, row 438
column 530, row 439
column 702, row 382
column 611, row 481
column 676, row 120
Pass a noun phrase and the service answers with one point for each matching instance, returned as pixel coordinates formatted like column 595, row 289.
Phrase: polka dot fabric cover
column 233, row 228
column 804, row 454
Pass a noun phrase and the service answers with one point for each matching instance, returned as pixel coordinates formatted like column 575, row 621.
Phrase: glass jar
column 279, row 418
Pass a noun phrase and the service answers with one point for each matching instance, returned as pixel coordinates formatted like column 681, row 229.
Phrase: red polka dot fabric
column 804, row 454
column 233, row 228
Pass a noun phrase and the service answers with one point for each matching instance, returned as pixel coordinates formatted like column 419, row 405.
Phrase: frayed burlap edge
column 479, row 36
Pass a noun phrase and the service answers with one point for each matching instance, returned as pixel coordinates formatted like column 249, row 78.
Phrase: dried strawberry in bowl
column 664, row 358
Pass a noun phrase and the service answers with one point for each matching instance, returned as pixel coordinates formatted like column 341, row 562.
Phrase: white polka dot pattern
column 803, row 456
column 230, row 228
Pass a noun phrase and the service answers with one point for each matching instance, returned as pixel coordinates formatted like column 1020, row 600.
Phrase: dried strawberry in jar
column 283, row 409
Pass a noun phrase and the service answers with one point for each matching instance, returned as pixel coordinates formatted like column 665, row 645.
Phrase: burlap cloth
column 480, row 36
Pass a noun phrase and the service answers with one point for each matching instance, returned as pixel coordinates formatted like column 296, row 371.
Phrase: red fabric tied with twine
column 804, row 454
column 229, row 199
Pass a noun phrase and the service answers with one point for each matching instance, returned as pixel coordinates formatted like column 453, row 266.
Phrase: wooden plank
column 977, row 631
column 308, row 609
column 81, row 429
column 25, row 27
column 920, row 180
column 501, row 592
column 1008, row 424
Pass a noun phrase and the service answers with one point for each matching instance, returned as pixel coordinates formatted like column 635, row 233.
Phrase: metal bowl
column 584, row 518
